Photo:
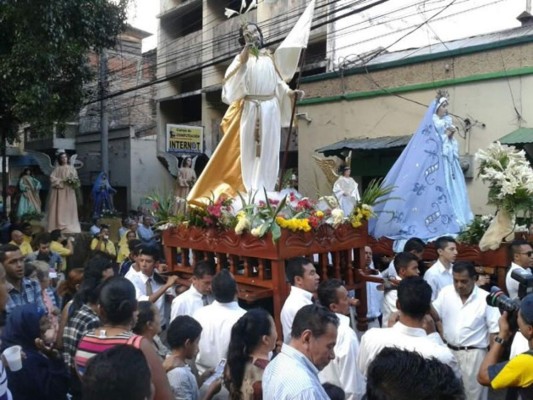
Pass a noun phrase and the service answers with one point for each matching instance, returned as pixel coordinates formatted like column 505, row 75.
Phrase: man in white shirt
column 374, row 297
column 414, row 246
column 406, row 265
column 198, row 294
column 469, row 324
column 302, row 276
column 293, row 373
column 217, row 319
column 522, row 255
column 414, row 331
column 340, row 371
column 440, row 273
column 150, row 286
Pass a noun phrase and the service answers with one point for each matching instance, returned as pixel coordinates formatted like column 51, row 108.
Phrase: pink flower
column 215, row 210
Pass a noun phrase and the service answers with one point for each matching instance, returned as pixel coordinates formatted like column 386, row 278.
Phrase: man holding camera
column 518, row 372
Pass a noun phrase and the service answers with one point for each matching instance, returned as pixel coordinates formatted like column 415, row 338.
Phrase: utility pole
column 104, row 123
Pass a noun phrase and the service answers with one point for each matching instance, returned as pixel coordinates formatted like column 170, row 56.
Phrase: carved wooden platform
column 493, row 262
column 258, row 264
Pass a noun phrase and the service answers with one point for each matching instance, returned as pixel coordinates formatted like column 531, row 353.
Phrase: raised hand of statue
column 297, row 94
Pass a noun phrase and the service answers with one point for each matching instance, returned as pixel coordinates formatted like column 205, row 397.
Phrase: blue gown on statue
column 430, row 191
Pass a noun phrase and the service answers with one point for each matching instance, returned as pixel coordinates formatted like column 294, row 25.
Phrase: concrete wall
column 487, row 100
column 147, row 173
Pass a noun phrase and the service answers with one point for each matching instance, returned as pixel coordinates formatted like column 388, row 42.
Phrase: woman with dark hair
column 80, row 315
column 69, row 287
column 148, row 325
column 106, row 377
column 117, row 305
column 29, row 201
column 62, row 211
column 43, row 375
column 183, row 336
column 253, row 337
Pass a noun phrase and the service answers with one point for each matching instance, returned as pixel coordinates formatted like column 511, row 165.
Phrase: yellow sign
column 185, row 139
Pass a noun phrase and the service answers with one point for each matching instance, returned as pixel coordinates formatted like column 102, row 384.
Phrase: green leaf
column 276, row 231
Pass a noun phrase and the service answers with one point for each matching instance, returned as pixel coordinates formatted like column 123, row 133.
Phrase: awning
column 520, row 136
column 365, row 143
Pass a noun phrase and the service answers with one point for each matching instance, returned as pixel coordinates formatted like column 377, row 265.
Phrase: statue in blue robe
column 430, row 197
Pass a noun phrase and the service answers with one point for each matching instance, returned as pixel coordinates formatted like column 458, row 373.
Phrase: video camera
column 497, row 297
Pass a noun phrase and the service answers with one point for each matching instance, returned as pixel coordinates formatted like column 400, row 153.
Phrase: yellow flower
column 243, row 223
column 294, row 224
column 319, row 214
column 356, row 224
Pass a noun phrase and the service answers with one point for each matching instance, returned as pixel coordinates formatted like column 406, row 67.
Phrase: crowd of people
column 119, row 328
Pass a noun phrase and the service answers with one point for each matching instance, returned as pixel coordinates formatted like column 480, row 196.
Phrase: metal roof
column 480, row 40
column 365, row 143
column 520, row 136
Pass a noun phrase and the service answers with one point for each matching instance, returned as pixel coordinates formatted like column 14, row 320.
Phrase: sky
column 462, row 18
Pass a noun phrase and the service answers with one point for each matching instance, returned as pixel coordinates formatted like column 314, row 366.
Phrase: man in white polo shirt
column 302, row 276
column 440, row 273
column 340, row 371
column 522, row 255
column 414, row 331
column 406, row 265
column 469, row 324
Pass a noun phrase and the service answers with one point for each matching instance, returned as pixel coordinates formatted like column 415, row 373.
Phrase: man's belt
column 463, row 348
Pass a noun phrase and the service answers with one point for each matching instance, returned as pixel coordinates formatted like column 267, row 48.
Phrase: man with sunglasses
column 522, row 257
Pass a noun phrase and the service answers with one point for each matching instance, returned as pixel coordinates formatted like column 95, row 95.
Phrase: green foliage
column 474, row 231
column 162, row 207
column 44, row 47
column 376, row 193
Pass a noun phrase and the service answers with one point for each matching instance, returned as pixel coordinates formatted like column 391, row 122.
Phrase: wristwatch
column 500, row 340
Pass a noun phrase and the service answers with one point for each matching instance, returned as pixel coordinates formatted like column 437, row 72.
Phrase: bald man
column 17, row 239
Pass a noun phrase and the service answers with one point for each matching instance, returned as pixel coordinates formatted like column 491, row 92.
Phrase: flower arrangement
column 270, row 214
column 363, row 212
column 72, row 181
column 510, row 180
column 219, row 213
column 261, row 217
column 163, row 207
column 107, row 213
column 509, row 176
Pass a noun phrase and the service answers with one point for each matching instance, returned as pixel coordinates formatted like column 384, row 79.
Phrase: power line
column 218, row 61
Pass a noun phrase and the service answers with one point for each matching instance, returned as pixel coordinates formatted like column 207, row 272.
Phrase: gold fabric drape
column 222, row 174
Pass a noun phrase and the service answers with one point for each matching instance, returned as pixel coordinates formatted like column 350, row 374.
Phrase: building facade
column 197, row 43
column 488, row 77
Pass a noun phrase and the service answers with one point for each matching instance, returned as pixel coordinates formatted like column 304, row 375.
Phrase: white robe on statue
column 266, row 105
column 347, row 193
